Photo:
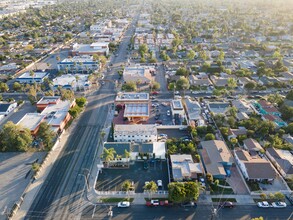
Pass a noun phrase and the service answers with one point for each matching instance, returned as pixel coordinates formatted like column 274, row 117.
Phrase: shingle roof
column 4, row 107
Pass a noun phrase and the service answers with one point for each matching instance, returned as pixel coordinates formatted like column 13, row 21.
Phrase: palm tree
column 151, row 188
column 108, row 155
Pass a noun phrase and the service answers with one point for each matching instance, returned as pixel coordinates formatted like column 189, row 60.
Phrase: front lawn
column 253, row 186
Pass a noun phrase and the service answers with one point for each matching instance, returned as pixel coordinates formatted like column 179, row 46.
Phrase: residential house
column 242, row 81
column 183, row 167
column 282, row 160
column 138, row 74
column 135, row 133
column 219, row 81
column 218, row 107
column 254, row 168
column 193, row 110
column 241, row 116
column 5, row 108
column 35, row 77
column 288, row 139
column 234, row 133
column 216, row 157
column 201, row 83
column 242, row 106
column 252, row 145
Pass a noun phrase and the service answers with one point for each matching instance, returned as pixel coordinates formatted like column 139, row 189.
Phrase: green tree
column 17, row 86
column 182, row 83
column 287, row 112
column 3, row 87
column 80, row 101
column 289, row 128
column 177, row 192
column 151, row 188
column 250, row 86
column 232, row 83
column 210, row 178
column 279, row 196
column 182, row 72
column 129, row 86
column 290, row 95
column 126, row 154
column 190, row 54
column 210, row 136
column 233, row 141
column 221, row 55
column 108, row 155
column 143, row 48
column 263, row 196
column 46, row 135
column 171, row 86
column 155, row 85
column 75, row 111
column 172, row 149
column 15, row 137
column 67, row 94
column 126, row 185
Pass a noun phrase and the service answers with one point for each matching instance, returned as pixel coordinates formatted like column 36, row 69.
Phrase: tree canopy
column 183, row 191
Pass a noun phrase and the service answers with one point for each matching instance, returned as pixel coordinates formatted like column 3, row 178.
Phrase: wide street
column 61, row 196
column 203, row 212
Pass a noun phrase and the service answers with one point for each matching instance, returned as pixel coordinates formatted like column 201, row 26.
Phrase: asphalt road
column 61, row 196
column 201, row 212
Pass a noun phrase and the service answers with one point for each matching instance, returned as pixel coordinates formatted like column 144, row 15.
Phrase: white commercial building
column 28, row 77
column 135, row 133
column 82, row 64
column 74, row 82
column 100, row 48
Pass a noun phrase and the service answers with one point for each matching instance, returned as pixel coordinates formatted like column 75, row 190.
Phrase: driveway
column 277, row 185
column 236, row 182
column 27, row 107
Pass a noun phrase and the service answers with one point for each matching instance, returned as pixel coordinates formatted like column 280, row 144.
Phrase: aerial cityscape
column 146, row 109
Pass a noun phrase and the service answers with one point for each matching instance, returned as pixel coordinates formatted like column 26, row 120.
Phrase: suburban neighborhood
column 120, row 109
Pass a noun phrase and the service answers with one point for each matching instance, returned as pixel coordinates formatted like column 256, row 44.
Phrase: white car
column 168, row 113
column 279, row 204
column 163, row 135
column 155, row 202
column 263, row 204
column 160, row 183
column 177, row 92
column 123, row 204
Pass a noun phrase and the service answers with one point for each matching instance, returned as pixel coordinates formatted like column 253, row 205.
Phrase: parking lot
column 112, row 179
column 160, row 112
column 27, row 107
column 15, row 174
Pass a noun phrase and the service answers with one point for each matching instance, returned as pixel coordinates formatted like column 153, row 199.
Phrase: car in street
column 279, row 205
column 160, row 183
column 227, row 204
column 263, row 204
column 189, row 204
column 124, row 204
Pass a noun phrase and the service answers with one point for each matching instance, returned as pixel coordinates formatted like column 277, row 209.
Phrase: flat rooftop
column 78, row 59
column 136, row 110
column 37, row 75
column 132, row 97
column 177, row 104
column 31, row 120
column 48, row 100
column 134, row 129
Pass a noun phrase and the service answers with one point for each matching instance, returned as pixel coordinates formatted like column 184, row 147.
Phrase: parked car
column 227, row 204
column 123, row 204
column 168, row 113
column 202, row 182
column 177, row 92
column 264, row 204
column 279, row 204
column 166, row 203
column 189, row 204
column 155, row 202
column 160, row 183
column 163, row 135
column 155, row 93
